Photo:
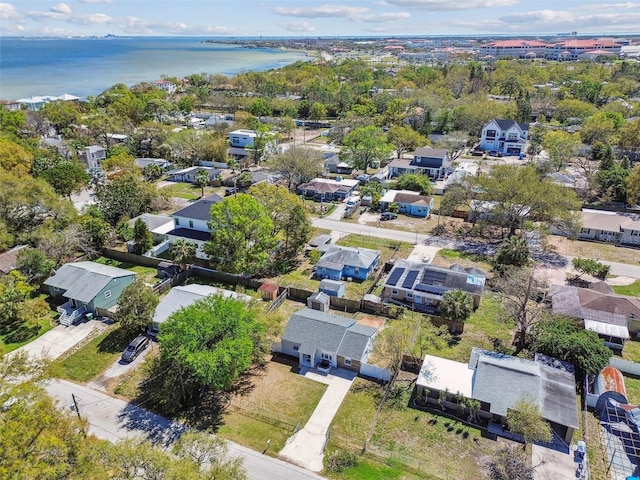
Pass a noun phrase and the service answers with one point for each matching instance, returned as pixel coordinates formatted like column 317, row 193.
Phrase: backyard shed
column 333, row 288
column 319, row 301
column 268, row 291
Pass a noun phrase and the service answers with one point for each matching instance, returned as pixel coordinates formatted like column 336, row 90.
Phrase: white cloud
column 61, row 8
column 298, row 27
column 90, row 19
column 95, row 1
column 381, row 17
column 321, row 11
column 447, row 5
column 613, row 6
column 8, row 12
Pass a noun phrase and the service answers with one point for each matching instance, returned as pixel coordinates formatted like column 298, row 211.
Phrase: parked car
column 134, row 349
column 363, row 178
column 230, row 191
column 388, row 216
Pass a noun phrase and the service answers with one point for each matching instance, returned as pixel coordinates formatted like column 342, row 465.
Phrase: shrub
column 314, row 256
column 341, row 460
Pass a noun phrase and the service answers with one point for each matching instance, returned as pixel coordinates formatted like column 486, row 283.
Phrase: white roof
column 345, row 181
column 607, row 329
column 442, row 374
column 68, row 97
column 243, row 131
column 390, row 195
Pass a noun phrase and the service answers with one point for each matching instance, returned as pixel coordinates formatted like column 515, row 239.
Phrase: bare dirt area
column 403, row 222
column 369, row 321
column 598, row 251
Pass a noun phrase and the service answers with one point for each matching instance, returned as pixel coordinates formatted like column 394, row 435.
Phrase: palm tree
column 183, row 252
column 202, row 180
column 514, row 251
column 456, row 306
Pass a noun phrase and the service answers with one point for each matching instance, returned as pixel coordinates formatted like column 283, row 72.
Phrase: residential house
column 160, row 162
column 93, row 156
column 191, row 223
column 421, row 286
column 326, row 340
column 242, row 138
column 158, row 225
column 340, row 263
column 507, row 137
column 499, row 381
column 328, row 190
column 333, row 164
column 408, row 202
column 605, row 226
column 190, row 174
column 166, row 86
column 10, row 105
column 9, row 259
column 87, row 286
column 434, row 162
column 613, row 317
column 183, row 296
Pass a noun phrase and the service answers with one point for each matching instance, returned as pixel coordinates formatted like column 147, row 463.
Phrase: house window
column 491, row 134
column 394, row 291
column 107, row 295
column 356, row 270
column 326, row 356
column 296, row 347
column 190, row 223
column 635, row 233
column 585, row 230
column 513, row 136
column 347, row 361
column 409, row 295
column 177, row 221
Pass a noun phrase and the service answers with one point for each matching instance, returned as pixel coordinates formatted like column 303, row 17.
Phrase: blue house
column 434, row 162
column 408, row 202
column 339, row 262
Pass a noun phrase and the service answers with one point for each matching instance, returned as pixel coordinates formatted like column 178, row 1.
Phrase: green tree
column 565, row 340
column 374, row 190
column 201, row 181
column 456, row 306
column 14, row 157
column 183, row 252
column 414, row 182
column 152, row 172
column 67, row 177
column 590, row 267
column 34, row 265
column 260, row 108
column 241, row 235
column 630, row 137
column 525, row 419
column 123, row 197
column 612, row 183
column 299, row 164
column 136, row 306
column 405, row 139
column 523, row 107
column 561, row 147
column 364, row 145
column 317, row 112
column 211, row 342
column 601, row 127
column 633, row 186
column 514, row 251
column 97, row 230
column 61, row 114
column 142, row 238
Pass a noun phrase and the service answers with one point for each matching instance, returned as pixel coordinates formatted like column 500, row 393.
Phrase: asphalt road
column 377, row 232
column 113, row 419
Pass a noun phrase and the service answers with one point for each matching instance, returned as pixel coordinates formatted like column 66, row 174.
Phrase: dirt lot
column 403, row 222
column 599, row 251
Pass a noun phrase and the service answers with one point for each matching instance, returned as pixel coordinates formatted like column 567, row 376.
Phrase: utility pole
column 75, row 406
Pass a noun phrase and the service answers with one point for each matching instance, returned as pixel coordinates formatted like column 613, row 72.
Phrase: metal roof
column 82, row 281
column 336, row 257
column 330, row 285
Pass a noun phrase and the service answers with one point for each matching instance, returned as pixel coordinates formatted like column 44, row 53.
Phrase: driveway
column 306, row 447
column 120, row 367
column 55, row 342
column 113, row 419
column 551, row 464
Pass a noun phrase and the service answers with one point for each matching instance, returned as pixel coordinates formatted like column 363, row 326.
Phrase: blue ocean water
column 88, row 66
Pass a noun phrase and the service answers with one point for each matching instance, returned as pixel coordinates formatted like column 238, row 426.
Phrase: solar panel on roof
column 411, row 278
column 432, row 277
column 395, row 276
column 421, row 287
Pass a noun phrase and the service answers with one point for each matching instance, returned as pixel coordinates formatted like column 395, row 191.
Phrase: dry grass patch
column 600, row 251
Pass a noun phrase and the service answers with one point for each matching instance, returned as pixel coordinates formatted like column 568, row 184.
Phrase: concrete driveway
column 306, row 447
column 60, row 339
column 113, row 419
column 120, row 367
column 551, row 464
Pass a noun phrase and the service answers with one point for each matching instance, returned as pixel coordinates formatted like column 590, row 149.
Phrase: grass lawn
column 270, row 407
column 632, row 290
column 411, row 439
column 632, row 384
column 45, row 324
column 631, row 350
column 148, row 274
column 93, row 357
column 190, row 191
column 447, row 257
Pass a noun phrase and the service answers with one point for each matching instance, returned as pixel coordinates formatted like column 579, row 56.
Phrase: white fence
column 276, row 347
column 375, row 372
column 625, row 366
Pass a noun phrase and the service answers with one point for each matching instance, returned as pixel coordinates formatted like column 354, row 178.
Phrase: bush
column 590, row 267
column 314, row 256
column 341, row 460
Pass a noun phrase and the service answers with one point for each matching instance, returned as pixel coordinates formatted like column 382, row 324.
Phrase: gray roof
column 320, row 297
column 152, row 221
column 430, row 152
column 503, row 380
column 507, row 124
column 330, row 285
column 316, row 330
column 183, row 296
column 200, row 210
column 454, row 278
column 320, row 240
column 336, row 257
column 161, row 162
column 82, row 281
column 190, row 234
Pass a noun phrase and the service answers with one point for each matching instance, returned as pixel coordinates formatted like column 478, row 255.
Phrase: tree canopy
column 414, row 182
column 525, row 419
column 363, row 145
column 136, row 306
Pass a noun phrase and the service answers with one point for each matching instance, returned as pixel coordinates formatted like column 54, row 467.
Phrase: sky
column 314, row 18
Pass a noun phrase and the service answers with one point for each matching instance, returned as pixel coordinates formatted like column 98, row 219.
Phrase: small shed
column 319, row 240
column 268, row 291
column 319, row 301
column 167, row 269
column 333, row 288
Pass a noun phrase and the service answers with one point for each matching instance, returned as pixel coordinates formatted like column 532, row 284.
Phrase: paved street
column 364, row 230
column 113, row 419
column 306, row 447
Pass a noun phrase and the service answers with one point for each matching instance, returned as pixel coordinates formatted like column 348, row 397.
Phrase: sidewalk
column 306, row 447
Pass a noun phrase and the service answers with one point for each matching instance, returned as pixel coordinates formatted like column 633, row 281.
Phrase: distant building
column 408, row 202
column 434, row 162
column 327, row 190
column 505, row 136
column 242, row 138
column 93, row 156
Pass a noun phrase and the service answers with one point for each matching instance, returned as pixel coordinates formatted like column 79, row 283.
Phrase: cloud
column 381, row 17
column 95, row 1
column 298, row 27
column 61, row 8
column 321, row 11
column 447, row 5
column 612, row 6
column 8, row 12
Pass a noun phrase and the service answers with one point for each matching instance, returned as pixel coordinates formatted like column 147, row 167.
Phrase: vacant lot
column 599, row 251
column 274, row 401
column 411, row 439
column 191, row 192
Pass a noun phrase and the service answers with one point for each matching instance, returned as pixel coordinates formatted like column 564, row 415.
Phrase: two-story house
column 434, row 162
column 242, row 138
column 191, row 223
column 507, row 137
column 93, row 155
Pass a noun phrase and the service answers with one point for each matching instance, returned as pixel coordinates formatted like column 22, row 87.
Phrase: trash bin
column 89, row 316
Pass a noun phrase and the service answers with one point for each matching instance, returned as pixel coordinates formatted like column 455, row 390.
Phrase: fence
column 177, row 279
column 127, row 257
column 373, row 371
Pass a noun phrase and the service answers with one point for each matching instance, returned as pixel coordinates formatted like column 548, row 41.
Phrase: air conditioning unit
column 349, row 279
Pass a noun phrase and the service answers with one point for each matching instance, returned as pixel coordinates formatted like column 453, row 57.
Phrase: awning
column 607, row 329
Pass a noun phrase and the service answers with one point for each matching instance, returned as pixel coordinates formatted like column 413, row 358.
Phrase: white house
column 505, row 136
column 191, row 224
column 608, row 227
column 165, row 86
column 242, row 138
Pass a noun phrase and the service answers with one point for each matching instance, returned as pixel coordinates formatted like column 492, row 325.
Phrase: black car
column 388, row 216
column 134, row 349
column 230, row 191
